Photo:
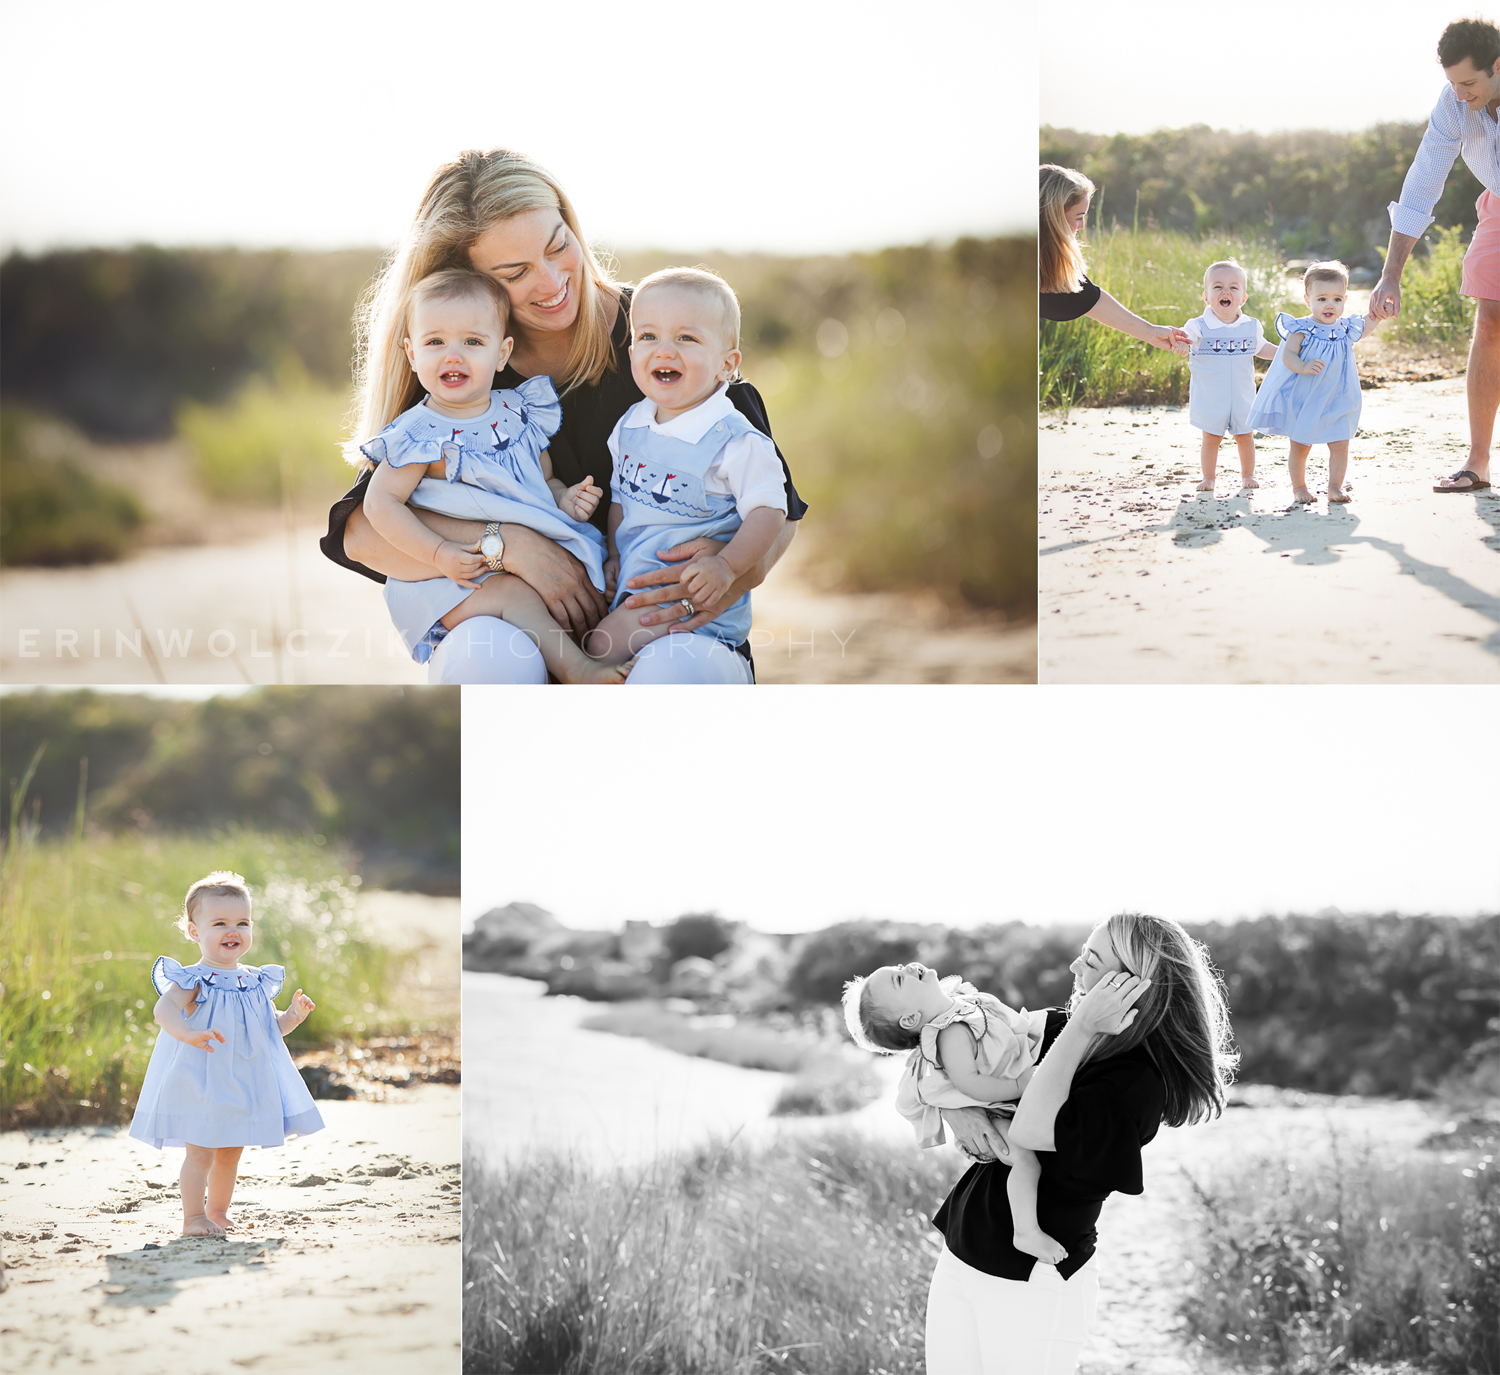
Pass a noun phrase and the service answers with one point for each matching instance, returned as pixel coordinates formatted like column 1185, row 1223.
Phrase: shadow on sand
column 151, row 1278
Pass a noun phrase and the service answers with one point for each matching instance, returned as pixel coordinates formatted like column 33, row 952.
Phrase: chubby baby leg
column 1020, row 1188
column 1208, row 457
column 1338, row 465
column 517, row 603
column 196, row 1165
column 221, row 1176
column 620, row 636
column 1246, row 445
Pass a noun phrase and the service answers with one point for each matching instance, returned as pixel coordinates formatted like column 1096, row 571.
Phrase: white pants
column 485, row 649
column 979, row 1324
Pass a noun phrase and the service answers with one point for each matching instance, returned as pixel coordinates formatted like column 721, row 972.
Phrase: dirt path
column 1143, row 580
column 274, row 610
column 352, row 1262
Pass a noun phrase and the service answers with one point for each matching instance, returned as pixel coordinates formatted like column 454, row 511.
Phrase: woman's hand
column 204, row 1040
column 1108, row 1006
column 556, row 576
column 978, row 1135
column 664, row 585
column 1165, row 337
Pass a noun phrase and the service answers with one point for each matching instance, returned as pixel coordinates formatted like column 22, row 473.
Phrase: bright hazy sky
column 808, row 806
column 1276, row 64
column 782, row 126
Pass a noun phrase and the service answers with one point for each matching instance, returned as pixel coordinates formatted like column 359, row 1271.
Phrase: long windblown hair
column 466, row 198
column 1060, row 265
column 1182, row 1019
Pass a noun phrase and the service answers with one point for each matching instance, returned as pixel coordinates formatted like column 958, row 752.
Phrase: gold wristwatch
column 492, row 546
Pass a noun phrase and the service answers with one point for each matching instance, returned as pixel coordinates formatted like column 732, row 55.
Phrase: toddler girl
column 471, row 452
column 687, row 465
column 967, row 1050
column 1222, row 344
column 220, row 1078
column 1311, row 392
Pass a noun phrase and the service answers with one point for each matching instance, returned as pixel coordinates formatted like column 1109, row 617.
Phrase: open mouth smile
column 666, row 376
column 453, row 379
column 555, row 302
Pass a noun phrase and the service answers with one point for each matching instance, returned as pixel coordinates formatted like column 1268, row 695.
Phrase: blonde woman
column 1146, row 1040
column 503, row 215
column 1064, row 290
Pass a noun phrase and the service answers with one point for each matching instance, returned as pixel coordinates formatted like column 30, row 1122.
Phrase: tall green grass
column 1309, row 1266
column 85, row 919
column 275, row 440
column 1159, row 275
column 810, row 1255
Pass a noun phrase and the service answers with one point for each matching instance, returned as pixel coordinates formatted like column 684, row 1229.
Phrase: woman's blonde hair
column 464, row 199
column 1182, row 1019
column 1060, row 265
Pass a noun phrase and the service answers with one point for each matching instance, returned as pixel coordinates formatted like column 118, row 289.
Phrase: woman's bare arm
column 1108, row 311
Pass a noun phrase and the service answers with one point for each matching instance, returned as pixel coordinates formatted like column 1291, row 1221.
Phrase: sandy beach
column 1145, row 581
column 274, row 610
column 351, row 1260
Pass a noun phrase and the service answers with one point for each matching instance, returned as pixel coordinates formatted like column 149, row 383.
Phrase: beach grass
column 87, row 916
column 1158, row 274
column 1311, row 1266
column 826, row 1076
column 811, row 1254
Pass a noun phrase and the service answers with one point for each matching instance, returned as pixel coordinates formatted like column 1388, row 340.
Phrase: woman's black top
column 580, row 447
column 1113, row 1109
column 1069, row 305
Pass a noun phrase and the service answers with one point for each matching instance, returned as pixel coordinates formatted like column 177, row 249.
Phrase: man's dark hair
column 1476, row 39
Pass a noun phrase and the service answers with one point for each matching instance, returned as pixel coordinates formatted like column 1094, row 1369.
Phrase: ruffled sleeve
column 412, row 437
column 272, row 976
column 1357, row 325
column 543, row 409
column 166, row 972
column 1287, row 324
column 1099, row 1132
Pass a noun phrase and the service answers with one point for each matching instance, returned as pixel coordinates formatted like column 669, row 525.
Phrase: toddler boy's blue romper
column 1221, row 384
column 493, row 473
column 660, row 484
column 1320, row 408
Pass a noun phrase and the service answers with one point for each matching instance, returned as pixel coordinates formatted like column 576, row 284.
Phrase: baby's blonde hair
column 705, row 283
column 222, row 883
column 871, row 1026
column 1331, row 271
column 1225, row 262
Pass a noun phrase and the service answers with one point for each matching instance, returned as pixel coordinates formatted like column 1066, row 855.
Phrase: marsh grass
column 827, row 1077
column 276, row 440
column 808, row 1255
column 1309, row 1266
column 1159, row 275
column 85, row 919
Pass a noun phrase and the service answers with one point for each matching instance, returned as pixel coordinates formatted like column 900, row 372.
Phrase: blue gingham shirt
column 1453, row 129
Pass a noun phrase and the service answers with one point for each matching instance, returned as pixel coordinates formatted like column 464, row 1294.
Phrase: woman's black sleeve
column 1069, row 305
column 332, row 544
column 1098, row 1132
column 746, row 400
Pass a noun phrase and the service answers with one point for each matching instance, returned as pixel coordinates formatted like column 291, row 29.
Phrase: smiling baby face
column 1224, row 290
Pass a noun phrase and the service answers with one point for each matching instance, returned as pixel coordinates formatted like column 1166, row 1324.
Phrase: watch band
column 495, row 560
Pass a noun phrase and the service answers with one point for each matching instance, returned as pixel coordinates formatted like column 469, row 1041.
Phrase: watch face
column 491, row 546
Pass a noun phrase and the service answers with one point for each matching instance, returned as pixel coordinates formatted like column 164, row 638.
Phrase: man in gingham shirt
column 1464, row 121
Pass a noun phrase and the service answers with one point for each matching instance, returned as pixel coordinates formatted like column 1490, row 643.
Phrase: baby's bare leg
column 1020, row 1188
column 1208, row 458
column 1296, row 462
column 517, row 603
column 1246, row 445
column 221, row 1176
column 194, row 1182
column 620, row 636
column 1338, row 465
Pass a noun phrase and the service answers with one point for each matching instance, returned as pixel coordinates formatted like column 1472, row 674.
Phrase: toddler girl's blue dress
column 493, row 472
column 246, row 1092
column 1322, row 409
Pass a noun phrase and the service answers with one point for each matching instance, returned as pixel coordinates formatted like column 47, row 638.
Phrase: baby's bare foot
column 222, row 1219
column 1302, row 496
column 1248, row 484
column 1336, row 494
column 200, row 1226
column 595, row 672
column 1207, row 485
column 1037, row 1243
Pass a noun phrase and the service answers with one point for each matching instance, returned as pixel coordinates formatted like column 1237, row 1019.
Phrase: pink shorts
column 1482, row 261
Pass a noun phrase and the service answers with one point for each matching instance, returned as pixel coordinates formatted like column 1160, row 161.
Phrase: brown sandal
column 1475, row 485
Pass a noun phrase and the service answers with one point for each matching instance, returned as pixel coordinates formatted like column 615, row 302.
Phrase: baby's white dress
column 247, row 1091
column 1006, row 1044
